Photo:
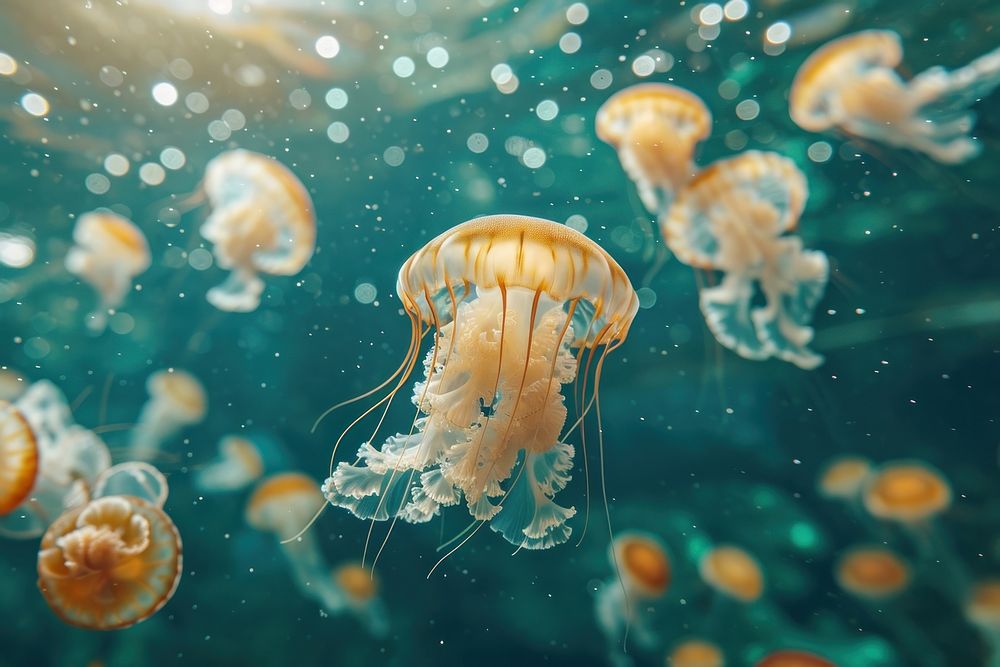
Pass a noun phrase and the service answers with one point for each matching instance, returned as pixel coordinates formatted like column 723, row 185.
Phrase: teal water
column 702, row 447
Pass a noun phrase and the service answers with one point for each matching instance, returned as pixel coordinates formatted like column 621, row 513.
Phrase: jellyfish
column 696, row 653
column 137, row 479
column 18, row 457
column 176, row 400
column 872, row 573
column 983, row 611
column 844, row 477
column 109, row 564
column 645, row 575
column 262, row 221
column 736, row 217
column 732, row 572
column 239, row 464
column 359, row 587
column 507, row 297
column 793, row 658
column 12, row 384
column 655, row 127
column 109, row 252
column 283, row 504
column 851, row 84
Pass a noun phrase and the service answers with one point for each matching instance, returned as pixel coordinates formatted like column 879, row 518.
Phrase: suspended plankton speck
column 820, row 151
column 478, row 142
column 111, row 76
column 152, row 174
column 200, row 259
column 234, row 119
column 251, row 76
column 97, row 183
column 577, row 222
column 180, row 69
column 736, row 10
column 509, row 86
column 710, row 14
column 644, row 65
column 533, row 158
column 729, row 89
column 327, row 46
column 172, row 157
column 437, row 57
column 394, row 156
column 196, row 102
column 570, row 43
column 165, row 94
column 778, row 33
column 221, row 7
column 116, row 164
column 547, row 110
column 403, row 67
column 8, row 66
column 601, row 79
column 577, row 13
column 647, row 297
column 747, row 109
column 300, row 99
column 365, row 293
column 338, row 132
column 218, row 130
column 35, row 104
column 336, row 98
column 121, row 323
column 501, row 73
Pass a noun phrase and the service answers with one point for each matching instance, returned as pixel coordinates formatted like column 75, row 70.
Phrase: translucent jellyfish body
column 110, row 563
column 733, row 572
column 108, row 253
column 239, row 464
column 851, row 84
column 873, row 573
column 645, row 571
column 507, row 298
column 262, row 221
column 360, row 589
column 176, row 399
column 18, row 457
column 736, row 216
column 696, row 653
column 844, row 477
column 655, row 127
column 70, row 459
column 983, row 610
column 908, row 492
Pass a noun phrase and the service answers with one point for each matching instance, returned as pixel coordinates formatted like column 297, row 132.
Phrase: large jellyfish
column 176, row 399
column 18, row 457
column 262, row 221
column 109, row 252
column 851, row 84
column 110, row 563
column 735, row 217
column 507, row 297
column 655, row 127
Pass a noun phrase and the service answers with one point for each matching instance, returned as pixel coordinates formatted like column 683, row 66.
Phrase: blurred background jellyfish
column 12, row 384
column 793, row 658
column 850, row 84
column 18, row 457
column 620, row 603
column 110, row 563
column 108, row 253
column 360, row 589
column 176, row 399
column 736, row 216
column 872, row 573
column 262, row 221
column 655, row 127
column 137, row 479
column 983, row 611
column 283, row 505
column 696, row 653
column 733, row 573
column 507, row 297
column 238, row 465
column 843, row 478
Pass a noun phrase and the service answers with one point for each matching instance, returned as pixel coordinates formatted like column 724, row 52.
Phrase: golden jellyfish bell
column 262, row 221
column 357, row 582
column 983, row 606
column 793, row 658
column 18, row 457
column 696, row 653
column 844, row 477
column 239, row 463
column 110, row 563
column 906, row 491
column 872, row 572
column 655, row 128
column 176, row 399
column 733, row 572
column 644, row 564
column 283, row 504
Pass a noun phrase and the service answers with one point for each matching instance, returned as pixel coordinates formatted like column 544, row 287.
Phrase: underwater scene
column 492, row 332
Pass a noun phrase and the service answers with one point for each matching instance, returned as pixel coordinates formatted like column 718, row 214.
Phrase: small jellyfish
column 110, row 563
column 655, row 127
column 909, row 492
column 262, row 221
column 507, row 297
column 850, row 84
column 873, row 573
column 732, row 572
column 12, row 384
column 176, row 400
column 360, row 588
column 983, row 610
column 844, row 477
column 645, row 572
column 239, row 464
column 696, row 653
column 109, row 252
column 736, row 216
column 18, row 457
column 793, row 658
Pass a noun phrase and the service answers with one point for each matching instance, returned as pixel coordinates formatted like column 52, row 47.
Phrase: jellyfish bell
column 643, row 573
column 844, row 477
column 655, row 127
column 507, row 297
column 908, row 492
column 360, row 588
column 109, row 251
column 733, row 572
column 851, row 84
column 110, row 563
column 793, row 658
column 238, row 465
column 18, row 457
column 644, row 563
column 176, row 399
column 262, row 221
column 736, row 216
column 874, row 573
column 696, row 653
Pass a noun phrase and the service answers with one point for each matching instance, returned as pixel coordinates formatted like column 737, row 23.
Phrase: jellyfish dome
column 907, row 492
column 642, row 563
column 696, row 653
column 733, row 572
column 238, row 465
column 109, row 251
column 262, row 221
column 18, row 457
column 983, row 606
column 872, row 572
column 507, row 298
column 792, row 658
column 176, row 399
column 360, row 587
column 844, row 477
column 851, row 84
column 110, row 563
column 655, row 127
column 736, row 216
